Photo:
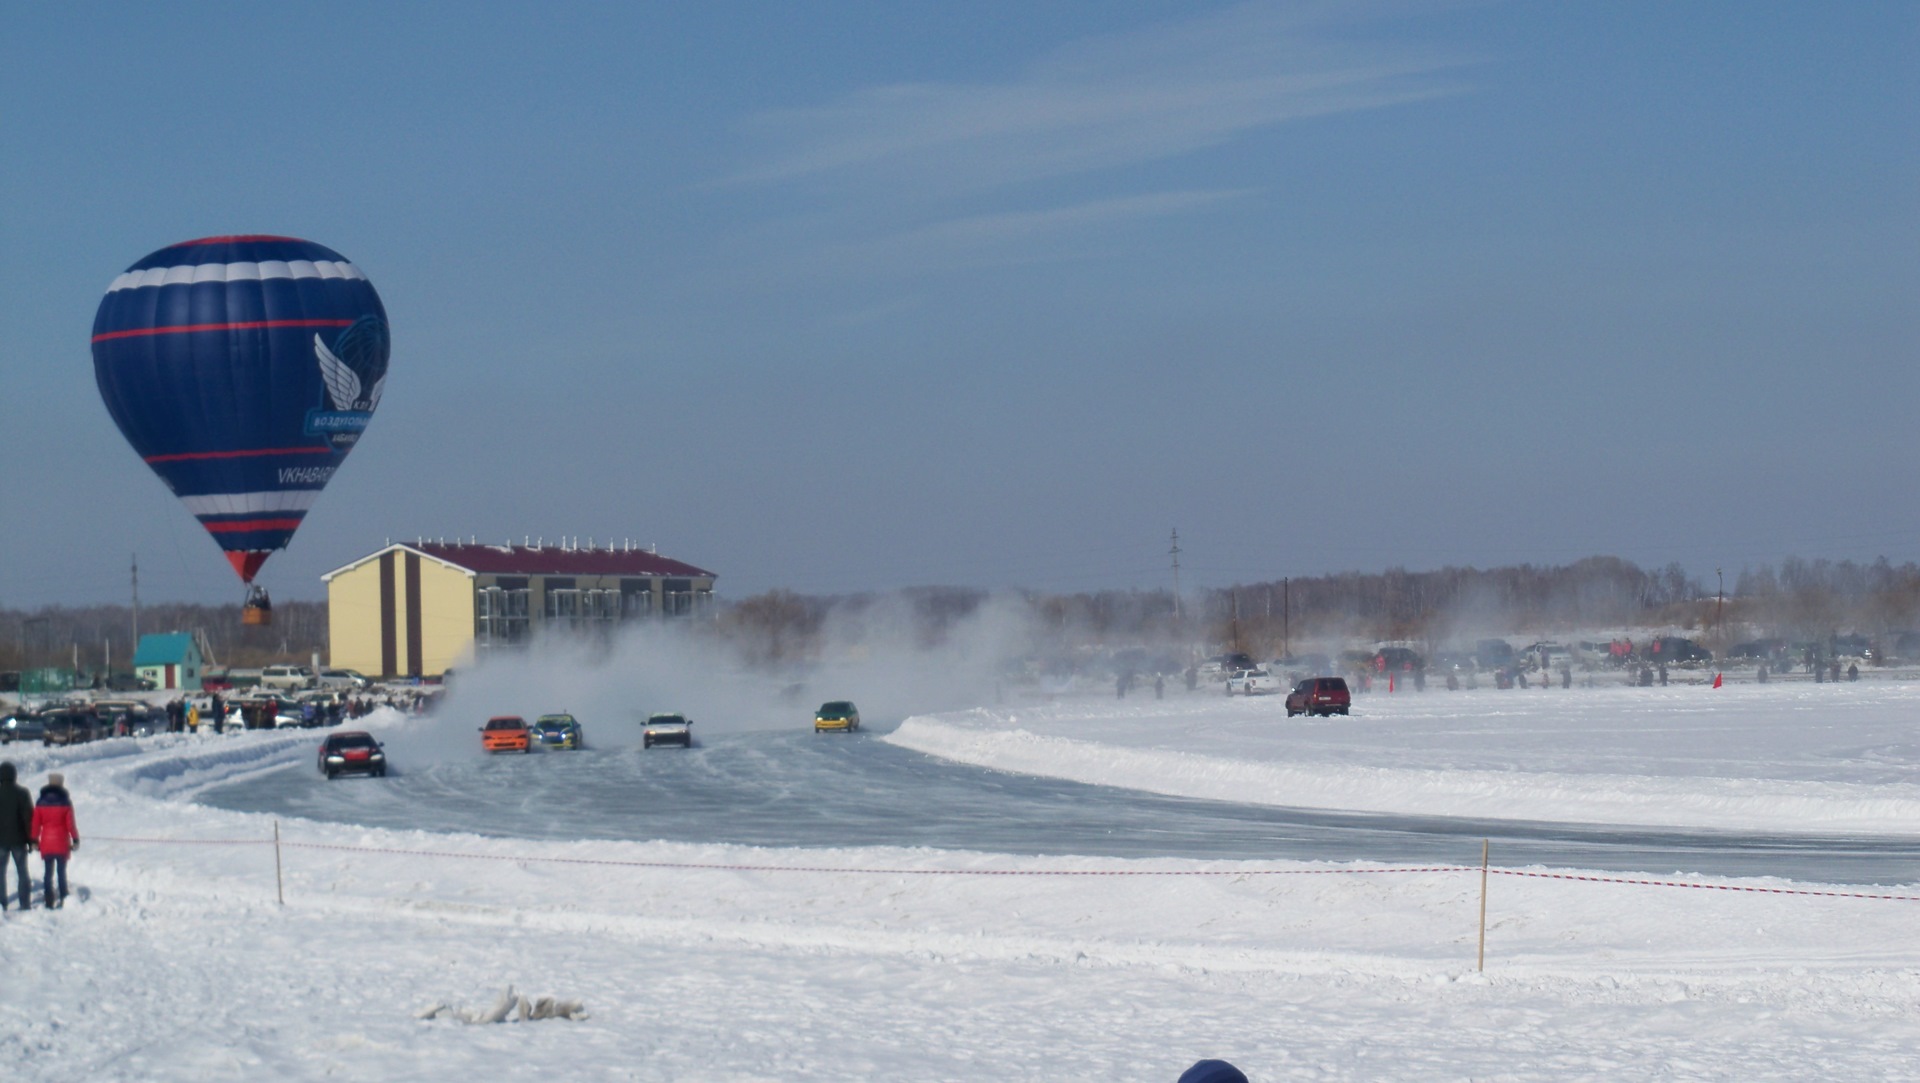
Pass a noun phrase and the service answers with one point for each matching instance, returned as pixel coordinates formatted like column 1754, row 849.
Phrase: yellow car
column 837, row 715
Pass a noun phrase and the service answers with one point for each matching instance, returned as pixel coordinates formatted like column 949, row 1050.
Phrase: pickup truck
column 1252, row 682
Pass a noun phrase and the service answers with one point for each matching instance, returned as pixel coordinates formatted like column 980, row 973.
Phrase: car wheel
column 646, row 742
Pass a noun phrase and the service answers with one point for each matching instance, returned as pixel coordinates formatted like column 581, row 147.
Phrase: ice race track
column 1686, row 883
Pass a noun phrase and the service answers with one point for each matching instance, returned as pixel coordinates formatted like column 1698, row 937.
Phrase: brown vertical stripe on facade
column 389, row 666
column 413, row 614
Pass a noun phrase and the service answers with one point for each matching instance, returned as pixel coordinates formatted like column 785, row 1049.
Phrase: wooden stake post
column 1483, row 905
column 280, row 887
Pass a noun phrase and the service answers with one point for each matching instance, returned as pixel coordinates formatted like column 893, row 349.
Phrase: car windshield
column 836, row 709
column 506, row 724
column 556, row 720
column 351, row 740
column 666, row 720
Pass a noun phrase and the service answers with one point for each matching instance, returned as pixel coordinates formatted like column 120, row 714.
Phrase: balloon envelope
column 243, row 370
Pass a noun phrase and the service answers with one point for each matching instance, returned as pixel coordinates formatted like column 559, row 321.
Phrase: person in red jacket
column 55, row 833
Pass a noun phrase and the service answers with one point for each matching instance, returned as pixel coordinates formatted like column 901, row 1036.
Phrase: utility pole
column 136, row 603
column 1286, row 617
column 1720, row 604
column 1236, row 620
column 1175, row 554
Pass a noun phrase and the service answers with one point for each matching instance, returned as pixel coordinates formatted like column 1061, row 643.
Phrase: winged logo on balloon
column 354, row 372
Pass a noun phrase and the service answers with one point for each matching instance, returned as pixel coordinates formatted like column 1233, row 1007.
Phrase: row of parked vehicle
column 78, row 724
column 287, row 678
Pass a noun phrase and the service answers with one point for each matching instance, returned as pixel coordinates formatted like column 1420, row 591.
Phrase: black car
column 22, row 727
column 1676, row 651
column 350, row 751
column 72, row 728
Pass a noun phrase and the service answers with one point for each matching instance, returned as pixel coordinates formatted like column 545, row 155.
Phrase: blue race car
column 558, row 732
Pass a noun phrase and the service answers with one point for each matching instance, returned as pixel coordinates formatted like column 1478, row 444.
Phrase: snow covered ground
column 876, row 962
column 1779, row 758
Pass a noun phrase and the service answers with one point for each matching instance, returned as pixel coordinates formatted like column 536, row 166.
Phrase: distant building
column 169, row 660
column 415, row 610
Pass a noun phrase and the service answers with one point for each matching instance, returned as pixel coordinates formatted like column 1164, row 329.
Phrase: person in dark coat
column 1213, row 1071
column 16, row 834
column 55, row 833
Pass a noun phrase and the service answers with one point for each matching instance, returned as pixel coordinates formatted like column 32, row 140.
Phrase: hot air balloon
column 242, row 370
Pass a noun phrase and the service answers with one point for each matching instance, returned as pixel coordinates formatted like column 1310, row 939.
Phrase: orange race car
column 505, row 733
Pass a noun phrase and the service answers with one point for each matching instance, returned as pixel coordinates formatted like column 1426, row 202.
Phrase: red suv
column 1319, row 695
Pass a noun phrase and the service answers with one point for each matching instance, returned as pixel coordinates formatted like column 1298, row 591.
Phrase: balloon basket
column 255, row 616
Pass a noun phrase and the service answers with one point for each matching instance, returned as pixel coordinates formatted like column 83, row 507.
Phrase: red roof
column 552, row 560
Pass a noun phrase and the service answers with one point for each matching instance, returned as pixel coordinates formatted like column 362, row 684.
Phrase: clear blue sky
column 852, row 296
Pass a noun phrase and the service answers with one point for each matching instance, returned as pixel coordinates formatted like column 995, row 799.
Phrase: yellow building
column 417, row 610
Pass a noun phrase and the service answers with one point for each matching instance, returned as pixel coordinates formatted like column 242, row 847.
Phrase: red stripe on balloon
column 186, row 455
column 239, row 238
column 248, row 525
column 251, row 325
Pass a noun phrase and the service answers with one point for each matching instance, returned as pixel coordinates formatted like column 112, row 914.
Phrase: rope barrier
column 697, row 866
column 1704, row 887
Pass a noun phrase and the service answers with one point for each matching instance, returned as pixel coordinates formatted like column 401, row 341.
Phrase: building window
column 636, row 599
column 503, row 615
column 682, row 599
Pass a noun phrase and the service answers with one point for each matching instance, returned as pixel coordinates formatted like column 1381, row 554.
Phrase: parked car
column 1853, row 646
column 1758, row 650
column 667, row 729
column 22, row 727
column 1546, row 655
column 836, row 715
column 506, row 733
column 558, row 731
column 1493, row 654
column 1320, row 696
column 286, row 678
column 348, row 751
column 1252, row 682
column 129, row 717
column 1676, row 651
column 71, row 727
column 344, row 680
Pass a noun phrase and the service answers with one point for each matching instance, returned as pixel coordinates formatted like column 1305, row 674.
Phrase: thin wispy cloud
column 1143, row 96
column 1011, row 236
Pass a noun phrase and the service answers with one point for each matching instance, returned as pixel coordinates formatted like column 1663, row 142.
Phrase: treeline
column 1800, row 599
column 55, row 635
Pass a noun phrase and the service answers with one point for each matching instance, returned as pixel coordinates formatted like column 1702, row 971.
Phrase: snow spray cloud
column 876, row 655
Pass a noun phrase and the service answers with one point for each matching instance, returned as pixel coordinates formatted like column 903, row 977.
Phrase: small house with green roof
column 169, row 660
